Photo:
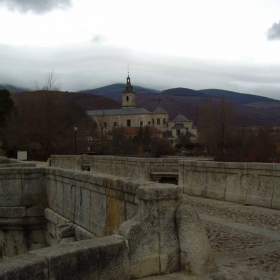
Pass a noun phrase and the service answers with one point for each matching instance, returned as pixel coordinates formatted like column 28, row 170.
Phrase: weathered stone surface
column 101, row 258
column 66, row 240
column 66, row 230
column 82, row 234
column 12, row 212
column 196, row 254
column 248, row 183
column 28, row 266
column 152, row 234
column 35, row 211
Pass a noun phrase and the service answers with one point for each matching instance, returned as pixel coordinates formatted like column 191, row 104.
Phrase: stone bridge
column 116, row 213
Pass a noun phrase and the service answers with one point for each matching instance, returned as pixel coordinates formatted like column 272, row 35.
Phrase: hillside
column 251, row 110
column 242, row 98
column 114, row 91
column 13, row 89
column 92, row 102
column 248, row 114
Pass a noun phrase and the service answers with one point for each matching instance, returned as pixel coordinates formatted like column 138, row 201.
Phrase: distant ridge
column 182, row 92
column 242, row 98
column 13, row 89
column 115, row 90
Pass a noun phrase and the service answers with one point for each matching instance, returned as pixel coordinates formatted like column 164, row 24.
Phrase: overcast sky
column 198, row 44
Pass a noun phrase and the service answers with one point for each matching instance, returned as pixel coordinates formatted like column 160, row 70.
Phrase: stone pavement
column 245, row 241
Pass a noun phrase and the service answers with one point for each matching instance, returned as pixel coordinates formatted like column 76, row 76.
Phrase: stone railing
column 246, row 183
column 97, row 259
column 83, row 204
column 9, row 162
column 130, row 167
column 97, row 203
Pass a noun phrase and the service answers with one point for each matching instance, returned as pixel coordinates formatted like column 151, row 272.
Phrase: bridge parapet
column 255, row 184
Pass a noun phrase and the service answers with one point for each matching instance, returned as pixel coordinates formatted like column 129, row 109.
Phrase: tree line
column 41, row 122
column 221, row 139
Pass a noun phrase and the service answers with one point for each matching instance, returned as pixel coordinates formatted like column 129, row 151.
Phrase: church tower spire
column 128, row 95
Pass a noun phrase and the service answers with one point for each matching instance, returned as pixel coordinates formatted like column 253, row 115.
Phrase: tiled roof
column 125, row 111
column 180, row 118
column 159, row 110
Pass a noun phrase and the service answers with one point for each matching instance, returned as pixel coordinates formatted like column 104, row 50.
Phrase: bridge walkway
column 245, row 240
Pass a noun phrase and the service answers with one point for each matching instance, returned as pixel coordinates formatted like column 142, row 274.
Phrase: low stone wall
column 100, row 259
column 9, row 162
column 22, row 204
column 130, row 167
column 246, row 183
column 98, row 203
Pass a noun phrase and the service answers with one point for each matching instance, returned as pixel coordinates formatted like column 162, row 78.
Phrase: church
column 130, row 118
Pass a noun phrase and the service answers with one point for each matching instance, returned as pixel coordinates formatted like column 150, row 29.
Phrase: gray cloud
column 274, row 32
column 94, row 65
column 99, row 39
column 36, row 6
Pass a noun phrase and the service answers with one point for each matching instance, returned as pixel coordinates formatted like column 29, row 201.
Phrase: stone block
column 151, row 233
column 66, row 230
column 130, row 210
column 35, row 211
column 27, row 266
column 82, row 234
column 261, row 190
column 12, row 212
column 98, row 214
column 115, row 214
column 82, row 211
column 194, row 242
column 52, row 229
column 100, row 258
column 67, row 240
column 51, row 216
column 235, row 192
column 10, row 192
column 33, row 191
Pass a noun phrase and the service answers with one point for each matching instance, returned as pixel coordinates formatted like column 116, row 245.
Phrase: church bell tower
column 128, row 95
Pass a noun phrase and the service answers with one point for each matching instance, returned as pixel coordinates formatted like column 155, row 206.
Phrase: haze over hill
column 252, row 110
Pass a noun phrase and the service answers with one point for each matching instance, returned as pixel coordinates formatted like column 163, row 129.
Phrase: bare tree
column 44, row 121
column 216, row 127
column 50, row 83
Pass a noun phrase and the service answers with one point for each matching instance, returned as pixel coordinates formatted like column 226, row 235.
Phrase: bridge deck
column 245, row 240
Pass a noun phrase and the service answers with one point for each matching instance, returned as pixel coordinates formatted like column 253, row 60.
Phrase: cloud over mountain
column 37, row 6
column 274, row 32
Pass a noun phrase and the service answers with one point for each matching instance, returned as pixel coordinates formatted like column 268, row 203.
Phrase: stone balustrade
column 255, row 184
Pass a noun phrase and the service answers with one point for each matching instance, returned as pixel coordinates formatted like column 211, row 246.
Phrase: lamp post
column 75, row 131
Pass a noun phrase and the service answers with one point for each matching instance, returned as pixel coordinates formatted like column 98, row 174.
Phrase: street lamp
column 75, row 131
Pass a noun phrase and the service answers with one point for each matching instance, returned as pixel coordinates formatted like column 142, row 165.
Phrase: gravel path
column 244, row 239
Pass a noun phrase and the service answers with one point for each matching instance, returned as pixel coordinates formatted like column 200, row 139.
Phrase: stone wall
column 98, row 259
column 22, row 204
column 96, row 202
column 246, row 183
column 131, row 167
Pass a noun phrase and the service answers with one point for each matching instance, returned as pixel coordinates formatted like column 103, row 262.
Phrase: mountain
column 182, row 92
column 13, row 89
column 91, row 101
column 242, row 98
column 114, row 91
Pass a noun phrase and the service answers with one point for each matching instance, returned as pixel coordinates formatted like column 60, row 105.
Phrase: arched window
column 127, row 98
